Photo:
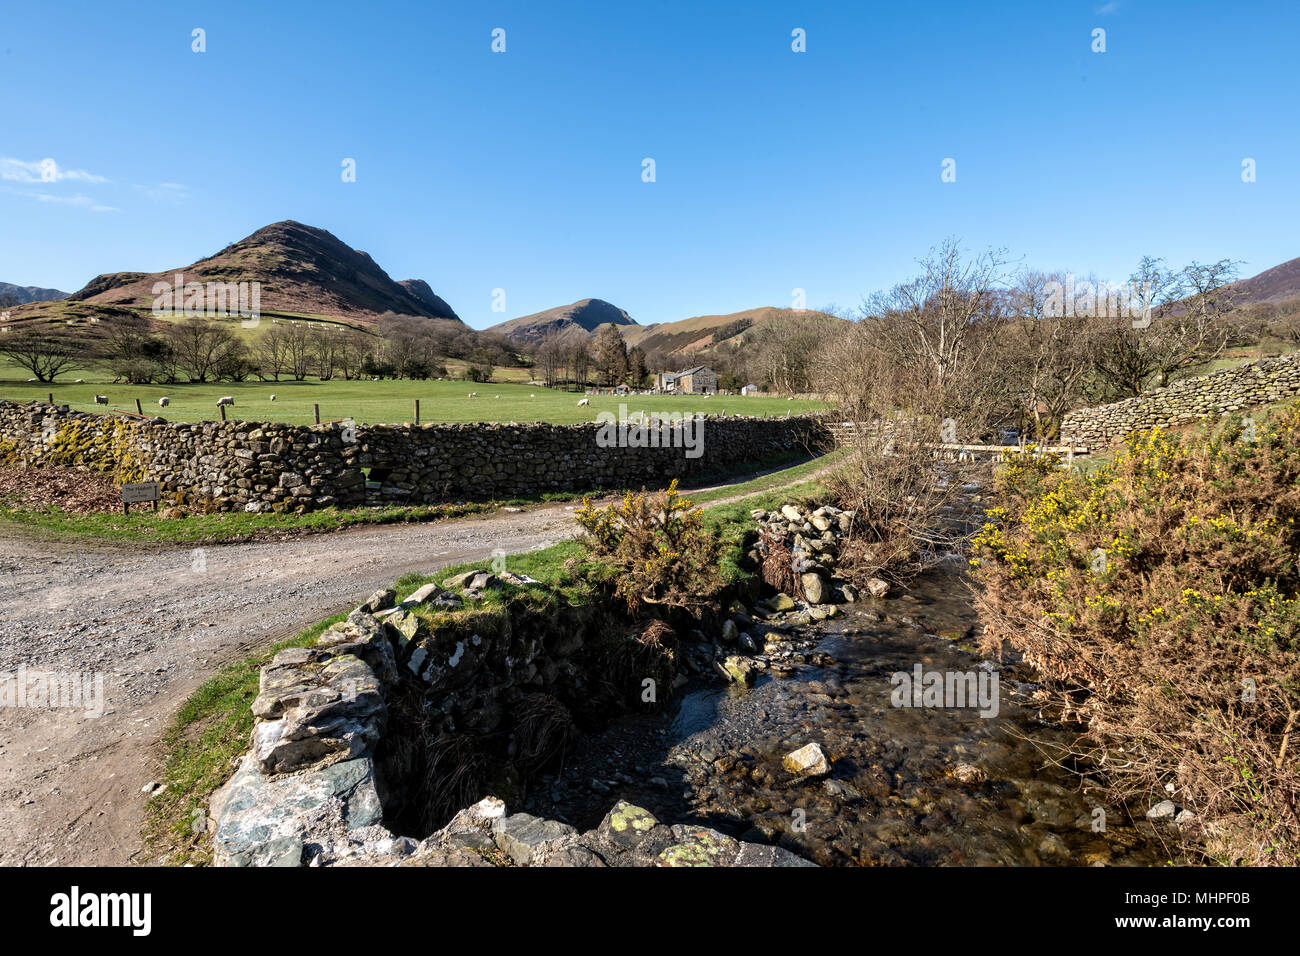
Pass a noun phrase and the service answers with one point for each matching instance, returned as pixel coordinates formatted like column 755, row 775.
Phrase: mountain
column 707, row 331
column 301, row 269
column 21, row 294
column 579, row 318
column 420, row 291
column 1272, row 285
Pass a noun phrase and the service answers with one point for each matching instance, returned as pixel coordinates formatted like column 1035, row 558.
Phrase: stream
column 908, row 785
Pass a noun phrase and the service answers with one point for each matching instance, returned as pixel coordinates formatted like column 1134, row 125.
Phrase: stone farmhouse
column 700, row 380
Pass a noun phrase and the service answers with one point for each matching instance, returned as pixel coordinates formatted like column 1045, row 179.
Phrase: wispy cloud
column 43, row 171
column 79, row 200
column 165, row 192
column 1107, row 8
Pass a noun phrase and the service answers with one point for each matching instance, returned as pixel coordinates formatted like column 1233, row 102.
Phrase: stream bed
column 908, row 785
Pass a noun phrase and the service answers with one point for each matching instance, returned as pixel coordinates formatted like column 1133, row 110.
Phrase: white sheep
column 531, row 395
column 101, row 399
column 583, row 401
column 80, row 381
column 164, row 402
column 226, row 400
column 31, row 380
column 272, row 398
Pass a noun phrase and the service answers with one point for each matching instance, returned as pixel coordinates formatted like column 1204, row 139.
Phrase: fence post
column 417, row 411
column 223, row 412
column 138, row 409
column 315, row 408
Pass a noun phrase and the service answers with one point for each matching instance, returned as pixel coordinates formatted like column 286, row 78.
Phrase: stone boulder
column 312, row 706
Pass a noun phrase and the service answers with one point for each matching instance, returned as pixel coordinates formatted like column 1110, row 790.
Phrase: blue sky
column 775, row 170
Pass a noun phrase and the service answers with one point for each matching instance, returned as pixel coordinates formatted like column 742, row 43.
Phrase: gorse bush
column 1159, row 598
column 657, row 548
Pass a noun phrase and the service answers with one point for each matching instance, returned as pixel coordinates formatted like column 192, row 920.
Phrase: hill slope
column 579, row 318
column 301, row 269
column 11, row 294
column 1278, row 284
column 707, row 331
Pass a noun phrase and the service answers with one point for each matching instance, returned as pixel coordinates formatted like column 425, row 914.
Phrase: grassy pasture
column 385, row 401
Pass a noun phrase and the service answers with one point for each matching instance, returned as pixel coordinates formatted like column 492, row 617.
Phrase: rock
column 1164, row 810
column 312, row 705
column 792, row 514
column 809, row 761
column 877, row 587
column 820, row 522
column 814, row 587
column 263, row 820
column 850, row 593
column 423, row 594
column 739, row 670
column 363, row 636
column 968, row 773
column 779, row 603
column 379, row 601
column 521, row 834
column 1184, row 818
column 729, row 631
column 460, row 580
column 699, row 846
column 626, row 825
column 757, row 855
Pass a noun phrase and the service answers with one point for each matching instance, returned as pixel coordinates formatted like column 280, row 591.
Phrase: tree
column 636, row 367
column 551, row 358
column 611, row 354
column 1182, row 325
column 1045, row 356
column 130, row 349
column 205, row 349
column 273, row 351
column 580, row 363
column 45, row 351
column 932, row 320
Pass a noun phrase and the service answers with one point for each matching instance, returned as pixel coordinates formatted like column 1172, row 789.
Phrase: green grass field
column 384, row 401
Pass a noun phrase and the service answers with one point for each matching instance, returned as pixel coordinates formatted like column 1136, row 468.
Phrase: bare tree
column 932, row 321
column 204, row 349
column 1045, row 355
column 273, row 351
column 1182, row 325
column 44, row 350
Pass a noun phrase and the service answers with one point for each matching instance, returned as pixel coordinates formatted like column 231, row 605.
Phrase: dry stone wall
column 1216, row 394
column 271, row 466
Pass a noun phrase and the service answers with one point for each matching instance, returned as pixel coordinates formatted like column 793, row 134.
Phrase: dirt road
column 154, row 623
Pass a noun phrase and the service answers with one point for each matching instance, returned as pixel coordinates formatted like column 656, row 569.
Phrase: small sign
column 140, row 492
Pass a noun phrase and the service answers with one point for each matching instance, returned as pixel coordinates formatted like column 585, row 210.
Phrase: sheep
column 583, row 401
column 32, row 380
column 226, row 400
column 80, row 381
column 272, row 398
column 164, row 402
column 472, row 395
column 101, row 399
column 531, row 395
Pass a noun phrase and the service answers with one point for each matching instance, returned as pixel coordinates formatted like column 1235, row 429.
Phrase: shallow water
column 900, row 790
